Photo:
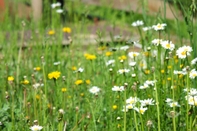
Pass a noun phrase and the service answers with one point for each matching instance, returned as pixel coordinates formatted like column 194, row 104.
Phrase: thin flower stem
column 187, row 110
column 135, row 119
column 174, row 119
column 157, row 103
column 125, row 115
column 142, row 125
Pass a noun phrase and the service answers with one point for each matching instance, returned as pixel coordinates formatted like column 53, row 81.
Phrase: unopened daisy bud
column 88, row 116
column 125, row 85
column 187, row 68
column 153, row 69
column 118, row 118
column 110, row 69
column 63, row 78
column 77, row 108
column 149, row 123
column 149, row 48
column 172, row 114
column 133, row 75
column 61, row 111
column 35, row 122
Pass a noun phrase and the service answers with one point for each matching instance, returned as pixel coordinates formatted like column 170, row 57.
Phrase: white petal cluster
column 94, row 90
column 36, row 128
column 137, row 23
column 157, row 42
column 118, row 88
column 159, row 26
column 167, row 45
column 133, row 54
column 193, row 74
column 121, row 71
column 184, row 51
column 172, row 103
column 194, row 61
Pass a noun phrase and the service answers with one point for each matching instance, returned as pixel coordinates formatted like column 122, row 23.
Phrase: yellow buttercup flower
column 25, row 82
column 66, row 30
column 108, row 53
column 10, row 78
column 114, row 107
column 74, row 68
column 88, row 82
column 51, row 32
column 90, row 56
column 78, row 82
column 54, row 75
column 123, row 57
column 64, row 89
column 37, row 68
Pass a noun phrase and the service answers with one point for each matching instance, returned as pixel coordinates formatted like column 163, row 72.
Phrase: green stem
column 157, row 103
column 187, row 110
column 142, row 125
column 135, row 119
column 125, row 115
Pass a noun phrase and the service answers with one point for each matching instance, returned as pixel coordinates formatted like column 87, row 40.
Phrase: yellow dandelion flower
column 66, row 30
column 37, row 97
column 54, row 75
column 119, row 126
column 102, row 48
column 147, row 72
column 37, row 68
column 64, row 89
column 10, row 78
column 74, row 68
column 78, row 82
column 146, row 54
column 49, row 105
column 82, row 94
column 169, row 78
column 114, row 107
column 181, row 66
column 90, row 56
column 51, row 32
column 169, row 67
column 88, row 82
column 123, row 57
column 25, row 82
column 109, row 53
column 162, row 71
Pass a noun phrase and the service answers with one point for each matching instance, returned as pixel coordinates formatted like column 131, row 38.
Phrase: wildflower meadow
column 148, row 84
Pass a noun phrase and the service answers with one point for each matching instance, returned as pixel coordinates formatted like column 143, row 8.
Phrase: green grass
column 63, row 101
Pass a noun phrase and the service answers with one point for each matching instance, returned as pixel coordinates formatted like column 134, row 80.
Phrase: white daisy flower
column 145, row 86
column 94, row 90
column 59, row 11
column 132, row 100
column 121, row 71
column 193, row 74
column 133, row 54
column 147, row 102
column 174, row 104
column 146, row 28
column 157, row 42
column 193, row 62
column 110, row 62
column 132, row 64
column 167, row 45
column 159, row 26
column 183, row 52
column 137, row 23
column 36, row 128
column 54, row 5
column 141, row 110
column 118, row 88
column 124, row 48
